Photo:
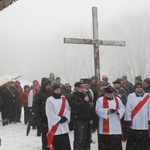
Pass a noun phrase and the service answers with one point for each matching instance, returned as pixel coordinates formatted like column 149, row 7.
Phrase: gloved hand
column 63, row 119
column 149, row 123
column 112, row 110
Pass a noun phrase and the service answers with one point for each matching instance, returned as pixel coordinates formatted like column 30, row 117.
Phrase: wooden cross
column 95, row 42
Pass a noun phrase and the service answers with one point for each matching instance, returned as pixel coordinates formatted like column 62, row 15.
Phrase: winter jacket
column 20, row 91
column 39, row 101
column 129, row 87
column 80, row 108
column 147, row 90
column 25, row 99
column 122, row 94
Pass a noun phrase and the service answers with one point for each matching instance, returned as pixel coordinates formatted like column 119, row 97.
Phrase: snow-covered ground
column 13, row 136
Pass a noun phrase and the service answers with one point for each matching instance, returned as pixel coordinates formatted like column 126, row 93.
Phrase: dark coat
column 129, row 87
column 67, row 94
column 147, row 90
column 80, row 108
column 122, row 94
column 39, row 101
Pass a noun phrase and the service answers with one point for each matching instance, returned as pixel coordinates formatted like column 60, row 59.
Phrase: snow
column 13, row 136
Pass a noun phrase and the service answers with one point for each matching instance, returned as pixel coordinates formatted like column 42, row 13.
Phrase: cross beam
column 95, row 42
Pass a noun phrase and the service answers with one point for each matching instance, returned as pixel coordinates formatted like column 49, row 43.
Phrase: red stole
column 106, row 121
column 51, row 133
column 139, row 106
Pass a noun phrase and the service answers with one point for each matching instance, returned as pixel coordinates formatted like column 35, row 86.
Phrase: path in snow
column 13, row 137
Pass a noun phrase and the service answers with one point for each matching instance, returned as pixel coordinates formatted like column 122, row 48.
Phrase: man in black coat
column 13, row 103
column 128, row 86
column 6, row 98
column 146, row 85
column 80, row 109
column 39, row 102
column 120, row 91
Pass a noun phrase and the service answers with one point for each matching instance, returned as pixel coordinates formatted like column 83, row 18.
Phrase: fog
column 32, row 32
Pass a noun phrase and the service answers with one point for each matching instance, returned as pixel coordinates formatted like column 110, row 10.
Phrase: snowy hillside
column 14, row 137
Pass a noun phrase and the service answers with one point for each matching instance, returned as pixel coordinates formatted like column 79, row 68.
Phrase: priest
column 137, row 115
column 58, row 115
column 110, row 110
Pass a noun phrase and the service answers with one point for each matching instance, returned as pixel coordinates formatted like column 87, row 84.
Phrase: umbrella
column 6, row 3
column 28, row 128
column 8, row 78
column 32, row 122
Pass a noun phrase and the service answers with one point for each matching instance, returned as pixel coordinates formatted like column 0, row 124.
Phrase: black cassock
column 61, row 142
column 109, row 142
column 138, row 140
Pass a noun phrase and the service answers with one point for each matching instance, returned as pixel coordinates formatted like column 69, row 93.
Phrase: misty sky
column 31, row 35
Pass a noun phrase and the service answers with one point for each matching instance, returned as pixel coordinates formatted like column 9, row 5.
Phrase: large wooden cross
column 95, row 42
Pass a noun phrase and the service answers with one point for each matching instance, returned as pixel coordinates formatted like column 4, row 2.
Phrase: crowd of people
column 119, row 110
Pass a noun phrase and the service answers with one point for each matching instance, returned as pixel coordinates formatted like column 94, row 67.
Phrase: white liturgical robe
column 30, row 98
column 114, row 119
column 53, row 107
column 140, row 121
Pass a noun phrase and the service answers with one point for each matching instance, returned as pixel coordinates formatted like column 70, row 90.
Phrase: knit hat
column 67, row 84
column 139, row 78
column 54, row 87
column 124, row 77
column 147, row 80
column 138, row 84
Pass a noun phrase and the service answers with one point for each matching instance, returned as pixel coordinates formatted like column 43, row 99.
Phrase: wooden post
column 95, row 42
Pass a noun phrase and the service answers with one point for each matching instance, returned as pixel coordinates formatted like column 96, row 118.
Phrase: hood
column 44, row 82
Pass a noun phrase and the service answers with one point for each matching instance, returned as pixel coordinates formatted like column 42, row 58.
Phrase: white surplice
column 114, row 119
column 140, row 121
column 30, row 99
column 53, row 107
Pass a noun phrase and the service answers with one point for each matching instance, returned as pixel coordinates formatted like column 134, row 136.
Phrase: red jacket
column 25, row 99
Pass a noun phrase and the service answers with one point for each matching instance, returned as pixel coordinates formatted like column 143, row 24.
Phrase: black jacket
column 129, row 87
column 80, row 108
column 122, row 94
column 39, row 101
column 147, row 90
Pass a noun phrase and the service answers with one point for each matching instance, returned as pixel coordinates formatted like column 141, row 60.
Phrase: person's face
column 136, row 81
column 93, row 81
column 58, row 81
column 68, row 88
column 105, row 79
column 47, row 87
column 12, row 84
column 87, row 86
column 37, row 87
column 57, row 91
column 145, row 84
column 124, row 81
column 117, row 85
column 80, row 89
column 51, row 75
column 139, row 89
column 27, row 89
column 17, row 84
column 109, row 95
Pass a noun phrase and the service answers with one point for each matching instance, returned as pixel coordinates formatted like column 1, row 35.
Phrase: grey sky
column 31, row 32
